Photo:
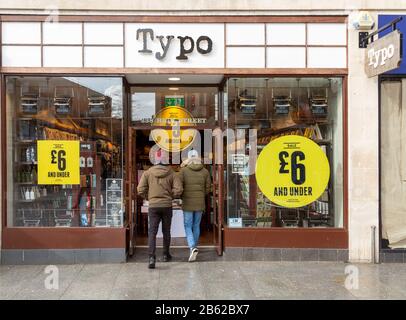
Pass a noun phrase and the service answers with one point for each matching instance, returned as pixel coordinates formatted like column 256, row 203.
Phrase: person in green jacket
column 196, row 185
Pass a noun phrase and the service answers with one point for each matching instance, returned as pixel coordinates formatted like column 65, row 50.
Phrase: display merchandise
column 63, row 102
column 282, row 104
column 319, row 104
column 247, row 102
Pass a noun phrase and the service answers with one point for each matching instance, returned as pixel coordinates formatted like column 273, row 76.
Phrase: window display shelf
column 25, row 117
column 72, row 128
column 313, row 132
column 53, row 197
column 25, row 163
column 25, row 141
column 323, row 141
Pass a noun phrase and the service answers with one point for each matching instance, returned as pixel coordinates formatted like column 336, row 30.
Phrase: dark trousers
column 155, row 215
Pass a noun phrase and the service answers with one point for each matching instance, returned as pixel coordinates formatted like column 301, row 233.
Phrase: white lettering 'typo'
column 380, row 57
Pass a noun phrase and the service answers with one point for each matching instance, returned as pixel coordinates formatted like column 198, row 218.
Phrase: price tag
column 292, row 171
column 58, row 162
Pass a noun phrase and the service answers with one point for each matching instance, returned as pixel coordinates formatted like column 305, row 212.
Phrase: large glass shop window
column 257, row 112
column 64, row 152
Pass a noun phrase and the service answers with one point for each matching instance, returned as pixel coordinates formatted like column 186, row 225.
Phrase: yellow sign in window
column 292, row 171
column 58, row 162
column 177, row 138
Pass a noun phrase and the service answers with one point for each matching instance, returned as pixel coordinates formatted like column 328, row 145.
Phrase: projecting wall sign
column 383, row 54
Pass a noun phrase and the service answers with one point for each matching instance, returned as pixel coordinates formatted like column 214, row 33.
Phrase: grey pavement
column 208, row 280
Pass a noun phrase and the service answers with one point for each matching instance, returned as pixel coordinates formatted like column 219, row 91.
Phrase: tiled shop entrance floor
column 178, row 254
column 208, row 280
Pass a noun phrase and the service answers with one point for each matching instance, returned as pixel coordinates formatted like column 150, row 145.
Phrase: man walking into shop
column 196, row 185
column 159, row 185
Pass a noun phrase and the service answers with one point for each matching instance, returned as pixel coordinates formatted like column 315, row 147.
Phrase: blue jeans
column 191, row 222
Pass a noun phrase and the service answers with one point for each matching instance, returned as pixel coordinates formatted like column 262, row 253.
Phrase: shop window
column 259, row 110
column 84, row 110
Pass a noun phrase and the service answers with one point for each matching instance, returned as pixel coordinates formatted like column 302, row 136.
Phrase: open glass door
column 132, row 190
column 218, row 207
column 218, row 177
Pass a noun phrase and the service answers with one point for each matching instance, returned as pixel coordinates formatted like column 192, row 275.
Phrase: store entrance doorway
column 211, row 224
column 141, row 164
column 201, row 106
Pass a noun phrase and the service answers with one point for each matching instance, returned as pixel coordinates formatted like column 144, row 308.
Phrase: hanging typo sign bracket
column 364, row 37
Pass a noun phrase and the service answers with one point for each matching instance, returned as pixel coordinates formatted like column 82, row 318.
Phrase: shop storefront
column 103, row 87
column 392, row 86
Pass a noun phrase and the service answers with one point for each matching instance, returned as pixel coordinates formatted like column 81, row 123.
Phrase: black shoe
column 151, row 263
column 166, row 258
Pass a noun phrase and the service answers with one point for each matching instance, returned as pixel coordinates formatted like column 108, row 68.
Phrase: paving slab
column 220, row 279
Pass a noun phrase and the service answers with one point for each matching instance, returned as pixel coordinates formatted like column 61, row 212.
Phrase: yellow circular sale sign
column 292, row 171
column 175, row 139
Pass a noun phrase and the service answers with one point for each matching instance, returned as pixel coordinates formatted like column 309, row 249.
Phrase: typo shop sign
column 383, row 54
column 174, row 45
column 186, row 44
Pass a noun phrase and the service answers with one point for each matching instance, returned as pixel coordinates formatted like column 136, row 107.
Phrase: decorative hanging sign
column 384, row 54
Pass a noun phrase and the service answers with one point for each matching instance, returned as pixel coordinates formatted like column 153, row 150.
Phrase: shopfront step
column 179, row 254
column 62, row 256
column 285, row 254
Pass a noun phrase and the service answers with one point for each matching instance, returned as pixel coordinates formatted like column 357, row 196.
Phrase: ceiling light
column 174, row 89
column 174, row 79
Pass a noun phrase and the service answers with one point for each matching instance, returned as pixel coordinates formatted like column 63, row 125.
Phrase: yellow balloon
column 292, row 171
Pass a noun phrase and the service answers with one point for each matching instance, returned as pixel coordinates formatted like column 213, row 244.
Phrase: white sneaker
column 193, row 255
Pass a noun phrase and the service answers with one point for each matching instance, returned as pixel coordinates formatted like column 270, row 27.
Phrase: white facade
column 272, row 46
column 234, row 45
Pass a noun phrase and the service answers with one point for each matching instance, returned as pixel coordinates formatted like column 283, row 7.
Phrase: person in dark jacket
column 159, row 185
column 196, row 184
